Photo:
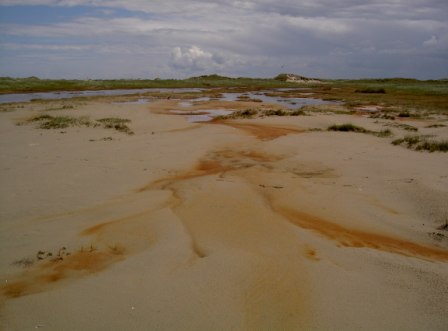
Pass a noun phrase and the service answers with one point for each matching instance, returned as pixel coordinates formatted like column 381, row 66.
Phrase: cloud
column 325, row 38
column 194, row 58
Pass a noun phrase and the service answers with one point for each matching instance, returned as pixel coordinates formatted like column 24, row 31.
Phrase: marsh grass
column 62, row 122
column 34, row 84
column 247, row 113
column 422, row 143
column 403, row 126
column 251, row 113
column 10, row 107
column 348, row 127
column 420, row 97
column 371, row 90
column 115, row 123
column 64, row 107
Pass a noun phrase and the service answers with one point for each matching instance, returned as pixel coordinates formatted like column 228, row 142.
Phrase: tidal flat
column 248, row 207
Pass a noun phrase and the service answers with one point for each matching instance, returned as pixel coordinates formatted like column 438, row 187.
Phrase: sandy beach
column 268, row 223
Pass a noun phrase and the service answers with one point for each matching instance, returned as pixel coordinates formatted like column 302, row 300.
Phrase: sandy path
column 235, row 225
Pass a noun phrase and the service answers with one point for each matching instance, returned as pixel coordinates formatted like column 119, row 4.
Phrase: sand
column 249, row 224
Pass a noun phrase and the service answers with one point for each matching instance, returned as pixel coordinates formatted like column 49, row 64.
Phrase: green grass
column 407, row 96
column 348, row 127
column 247, row 113
column 62, row 122
column 422, row 143
column 418, row 98
column 34, row 84
column 115, row 123
column 251, row 113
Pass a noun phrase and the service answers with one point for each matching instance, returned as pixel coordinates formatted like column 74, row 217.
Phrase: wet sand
column 246, row 224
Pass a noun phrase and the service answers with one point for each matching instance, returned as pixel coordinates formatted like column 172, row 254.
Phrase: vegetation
column 283, row 112
column 118, row 124
column 404, row 97
column 422, row 143
column 348, row 127
column 379, row 90
column 247, row 113
column 250, row 113
column 33, row 84
column 62, row 122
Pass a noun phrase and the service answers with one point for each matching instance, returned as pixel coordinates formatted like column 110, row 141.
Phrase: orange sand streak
column 360, row 239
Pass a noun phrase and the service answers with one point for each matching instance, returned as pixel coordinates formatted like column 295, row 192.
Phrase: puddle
column 136, row 102
column 27, row 97
column 203, row 115
column 291, row 103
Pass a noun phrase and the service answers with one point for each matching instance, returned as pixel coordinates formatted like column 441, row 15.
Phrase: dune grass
column 49, row 122
column 60, row 122
column 115, row 123
column 348, row 127
column 422, row 143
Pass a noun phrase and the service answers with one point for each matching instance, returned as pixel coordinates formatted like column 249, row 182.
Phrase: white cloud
column 195, row 58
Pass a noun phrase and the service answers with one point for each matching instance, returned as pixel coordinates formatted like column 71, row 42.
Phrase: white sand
column 242, row 225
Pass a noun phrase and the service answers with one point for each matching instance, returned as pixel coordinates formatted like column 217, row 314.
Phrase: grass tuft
column 115, row 123
column 62, row 122
column 422, row 143
column 247, row 113
column 347, row 127
column 59, row 122
column 433, row 126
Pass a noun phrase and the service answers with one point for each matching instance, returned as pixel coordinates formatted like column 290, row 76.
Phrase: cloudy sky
column 259, row 38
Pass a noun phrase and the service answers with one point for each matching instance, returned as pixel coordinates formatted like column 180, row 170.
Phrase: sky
column 111, row 39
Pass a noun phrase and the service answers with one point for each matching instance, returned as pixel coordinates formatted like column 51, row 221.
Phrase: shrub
column 348, row 127
column 384, row 133
column 275, row 112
